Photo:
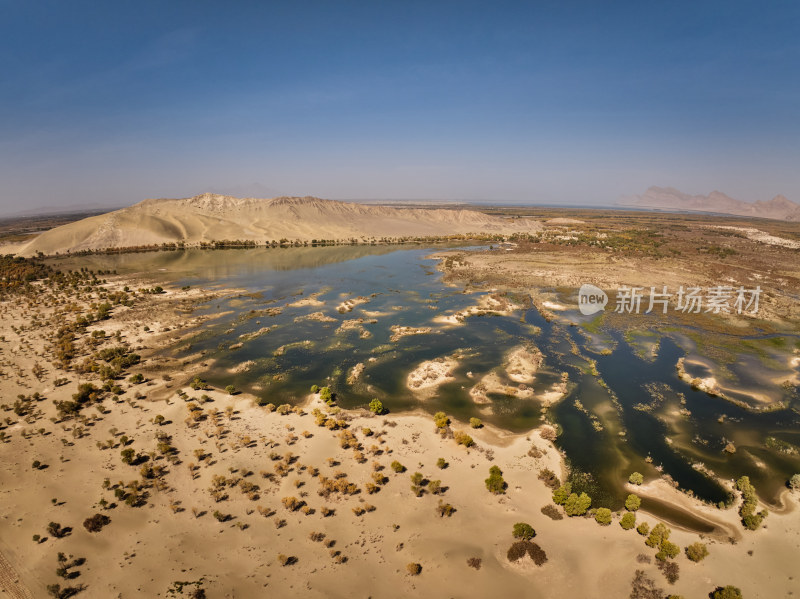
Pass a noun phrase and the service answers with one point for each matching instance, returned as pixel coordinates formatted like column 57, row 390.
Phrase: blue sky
column 109, row 103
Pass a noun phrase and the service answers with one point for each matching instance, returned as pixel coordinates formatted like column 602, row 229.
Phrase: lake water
column 645, row 417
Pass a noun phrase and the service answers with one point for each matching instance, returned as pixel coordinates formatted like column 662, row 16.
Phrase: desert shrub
column 643, row 529
column 519, row 549
column 445, row 509
column 495, row 483
column 376, row 406
column 475, row 422
column 667, row 550
column 325, row 394
column 441, row 420
column 794, row 482
column 670, row 570
column 96, row 522
column 230, row 389
column 659, row 534
column 636, row 478
column 474, row 562
column 603, row 516
column 577, row 505
column 414, row 569
column 727, row 592
column 398, row 467
column 441, row 463
column 561, row 494
column 314, row 388
column 435, row 487
column 696, row 551
column 463, row 439
column 54, row 529
column 549, row 478
column 633, row 503
column 750, row 518
column 628, row 521
column 523, row 531
column 552, row 512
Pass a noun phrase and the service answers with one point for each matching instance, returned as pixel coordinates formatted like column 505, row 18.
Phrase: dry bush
column 552, row 512
column 518, row 550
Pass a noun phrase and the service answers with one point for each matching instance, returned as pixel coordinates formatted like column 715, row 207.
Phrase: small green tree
column 643, row 529
column 523, row 531
column 314, row 388
column 127, row 455
column 697, row 551
column 495, row 483
column 603, row 516
column 230, row 389
column 475, row 422
column 577, row 505
column 376, row 406
column 636, row 478
column 633, row 503
column 628, row 520
column 325, row 394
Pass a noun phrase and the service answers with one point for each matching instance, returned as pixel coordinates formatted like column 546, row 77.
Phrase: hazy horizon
column 558, row 103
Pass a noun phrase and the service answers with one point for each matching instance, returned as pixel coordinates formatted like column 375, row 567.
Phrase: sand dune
column 210, row 217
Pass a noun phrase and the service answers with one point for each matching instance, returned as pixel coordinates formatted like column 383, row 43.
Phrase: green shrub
column 794, row 482
column 325, row 394
column 577, row 505
column 628, row 521
column 475, row 422
column 441, row 420
column 523, row 531
column 495, row 483
column 398, row 467
column 314, row 388
column 633, row 503
column 230, row 389
column 667, row 549
column 697, row 551
column 463, row 439
column 636, row 478
column 376, row 406
column 643, row 529
column 603, row 516
column 561, row 494
column 441, row 463
column 727, row 592
column 659, row 534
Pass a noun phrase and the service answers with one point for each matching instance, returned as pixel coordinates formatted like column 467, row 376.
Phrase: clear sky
column 109, row 103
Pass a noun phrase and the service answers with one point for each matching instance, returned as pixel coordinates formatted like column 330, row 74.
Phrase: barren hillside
column 210, row 217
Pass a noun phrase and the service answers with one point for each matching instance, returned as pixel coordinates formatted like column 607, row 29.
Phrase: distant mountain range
column 668, row 198
column 212, row 217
